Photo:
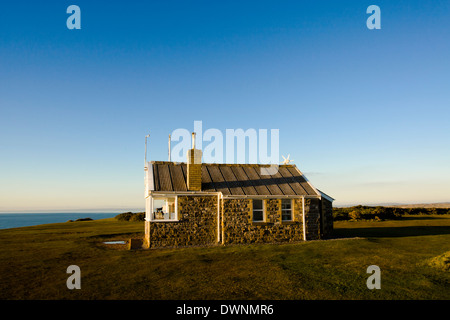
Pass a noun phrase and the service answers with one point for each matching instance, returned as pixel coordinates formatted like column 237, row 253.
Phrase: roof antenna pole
column 145, row 156
column 169, row 148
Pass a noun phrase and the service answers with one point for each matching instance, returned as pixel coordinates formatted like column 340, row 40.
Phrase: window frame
column 263, row 210
column 291, row 210
column 173, row 216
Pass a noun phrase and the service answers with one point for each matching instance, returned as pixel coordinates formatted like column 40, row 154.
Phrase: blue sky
column 363, row 113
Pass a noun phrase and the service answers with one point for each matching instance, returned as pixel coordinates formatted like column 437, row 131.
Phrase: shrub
column 354, row 215
column 340, row 214
column 130, row 216
column 124, row 216
column 84, row 219
column 140, row 216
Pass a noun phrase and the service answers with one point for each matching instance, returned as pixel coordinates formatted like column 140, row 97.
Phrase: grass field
column 410, row 253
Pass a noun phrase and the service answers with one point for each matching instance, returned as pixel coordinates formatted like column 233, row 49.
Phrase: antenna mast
column 169, row 147
column 145, row 156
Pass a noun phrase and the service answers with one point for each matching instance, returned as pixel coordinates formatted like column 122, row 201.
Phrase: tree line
column 381, row 213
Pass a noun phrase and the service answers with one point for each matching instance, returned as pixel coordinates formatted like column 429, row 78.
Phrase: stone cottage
column 196, row 203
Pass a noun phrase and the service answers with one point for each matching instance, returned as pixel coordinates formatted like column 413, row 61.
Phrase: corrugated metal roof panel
column 242, row 178
column 282, row 183
column 156, row 176
column 269, row 181
column 296, row 173
column 207, row 184
column 293, row 183
column 219, row 182
column 231, row 179
column 259, row 185
column 178, row 180
column 165, row 179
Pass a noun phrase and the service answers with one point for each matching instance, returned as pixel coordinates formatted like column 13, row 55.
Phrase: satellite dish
column 287, row 160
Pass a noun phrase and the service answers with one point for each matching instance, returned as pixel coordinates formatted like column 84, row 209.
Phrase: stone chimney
column 194, row 167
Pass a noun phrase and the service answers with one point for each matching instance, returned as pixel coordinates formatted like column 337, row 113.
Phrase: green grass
column 33, row 263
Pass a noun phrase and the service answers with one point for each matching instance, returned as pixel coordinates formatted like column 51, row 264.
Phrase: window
column 286, row 210
column 164, row 208
column 258, row 210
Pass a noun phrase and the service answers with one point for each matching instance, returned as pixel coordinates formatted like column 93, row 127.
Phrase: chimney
column 194, row 167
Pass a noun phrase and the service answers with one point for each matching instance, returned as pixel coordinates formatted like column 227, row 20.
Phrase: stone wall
column 197, row 224
column 327, row 213
column 238, row 226
column 312, row 218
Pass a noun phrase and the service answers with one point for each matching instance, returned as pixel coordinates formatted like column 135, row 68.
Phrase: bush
column 124, row 216
column 81, row 219
column 340, row 214
column 130, row 216
column 140, row 216
column 354, row 215
column 84, row 219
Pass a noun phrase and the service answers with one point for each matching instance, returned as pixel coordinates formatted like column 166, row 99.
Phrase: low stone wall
column 197, row 224
column 238, row 226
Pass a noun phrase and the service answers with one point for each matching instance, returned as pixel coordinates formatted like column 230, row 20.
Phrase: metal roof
column 233, row 179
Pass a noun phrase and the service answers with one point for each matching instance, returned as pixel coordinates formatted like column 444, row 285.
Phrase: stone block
column 134, row 244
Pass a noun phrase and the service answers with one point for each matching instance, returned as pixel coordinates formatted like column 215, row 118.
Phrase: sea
column 15, row 220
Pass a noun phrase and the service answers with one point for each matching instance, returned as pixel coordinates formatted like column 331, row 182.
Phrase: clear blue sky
column 365, row 114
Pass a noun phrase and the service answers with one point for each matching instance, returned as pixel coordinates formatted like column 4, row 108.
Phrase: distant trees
column 382, row 213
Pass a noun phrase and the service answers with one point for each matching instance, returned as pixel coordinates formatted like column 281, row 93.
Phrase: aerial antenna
column 169, row 147
column 145, row 157
column 287, row 160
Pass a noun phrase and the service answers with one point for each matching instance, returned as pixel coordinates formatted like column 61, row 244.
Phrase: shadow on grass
column 391, row 232
column 114, row 235
column 423, row 217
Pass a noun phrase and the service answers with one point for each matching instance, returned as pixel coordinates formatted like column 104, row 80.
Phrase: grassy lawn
column 33, row 263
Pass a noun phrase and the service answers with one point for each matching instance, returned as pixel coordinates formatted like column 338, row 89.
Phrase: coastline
column 18, row 220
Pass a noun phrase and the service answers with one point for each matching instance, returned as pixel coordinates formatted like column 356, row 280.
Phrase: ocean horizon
column 17, row 220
